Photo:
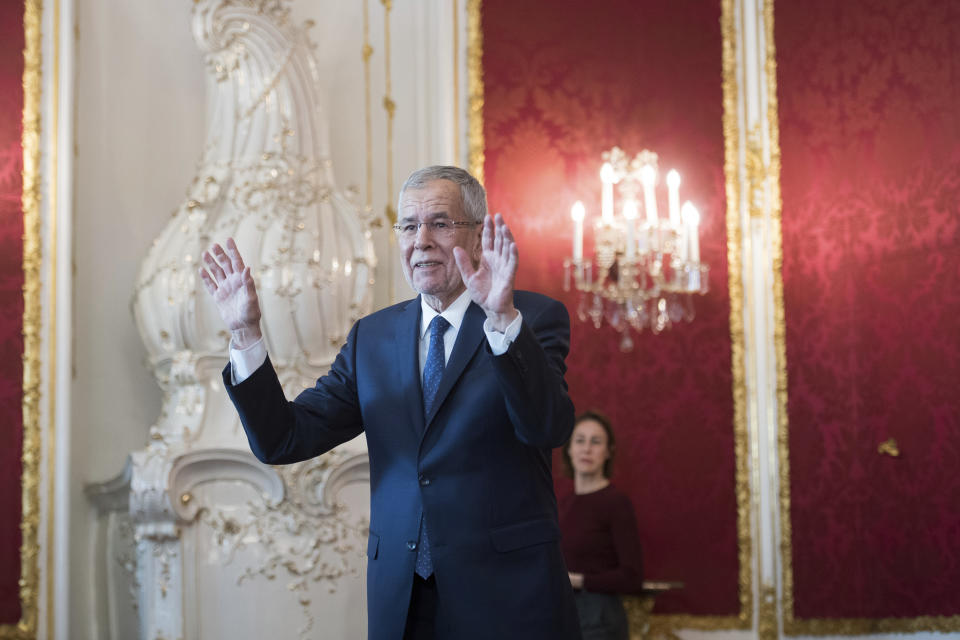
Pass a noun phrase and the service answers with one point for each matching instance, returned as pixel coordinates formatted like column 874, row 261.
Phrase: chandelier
column 643, row 272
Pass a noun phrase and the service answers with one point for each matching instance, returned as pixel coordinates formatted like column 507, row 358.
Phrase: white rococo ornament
column 265, row 178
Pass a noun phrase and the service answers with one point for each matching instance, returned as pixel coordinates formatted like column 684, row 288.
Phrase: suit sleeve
column 283, row 432
column 531, row 377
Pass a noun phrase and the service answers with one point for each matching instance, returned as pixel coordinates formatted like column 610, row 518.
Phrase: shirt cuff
column 500, row 342
column 243, row 362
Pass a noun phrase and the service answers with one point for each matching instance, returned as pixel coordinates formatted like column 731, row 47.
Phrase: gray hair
column 473, row 197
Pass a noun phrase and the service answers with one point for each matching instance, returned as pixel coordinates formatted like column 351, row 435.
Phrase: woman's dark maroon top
column 600, row 541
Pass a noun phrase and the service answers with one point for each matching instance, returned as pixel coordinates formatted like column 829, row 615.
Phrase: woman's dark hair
column 604, row 422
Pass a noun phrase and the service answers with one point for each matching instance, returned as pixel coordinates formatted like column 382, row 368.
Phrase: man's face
column 427, row 258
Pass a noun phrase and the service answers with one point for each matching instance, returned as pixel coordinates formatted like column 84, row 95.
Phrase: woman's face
column 588, row 448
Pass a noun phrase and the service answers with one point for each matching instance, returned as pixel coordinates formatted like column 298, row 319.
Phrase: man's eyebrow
column 430, row 216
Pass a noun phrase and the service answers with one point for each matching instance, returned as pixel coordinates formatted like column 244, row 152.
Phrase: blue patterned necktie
column 433, row 367
column 432, row 373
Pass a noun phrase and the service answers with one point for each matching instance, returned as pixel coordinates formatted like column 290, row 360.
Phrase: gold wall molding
column 26, row 627
column 760, row 172
column 773, row 123
column 868, row 626
column 475, row 144
column 757, row 171
column 366, row 52
column 456, row 82
column 390, row 106
column 767, row 613
column 54, row 208
column 731, row 136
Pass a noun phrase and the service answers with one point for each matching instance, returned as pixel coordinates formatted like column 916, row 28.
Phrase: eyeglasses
column 442, row 228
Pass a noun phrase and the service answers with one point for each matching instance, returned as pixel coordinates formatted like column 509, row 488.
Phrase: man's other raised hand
column 231, row 286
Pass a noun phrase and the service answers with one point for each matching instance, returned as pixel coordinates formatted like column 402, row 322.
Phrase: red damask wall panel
column 565, row 81
column 869, row 95
column 11, row 305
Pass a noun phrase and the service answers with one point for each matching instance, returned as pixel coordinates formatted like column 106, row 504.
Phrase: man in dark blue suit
column 462, row 396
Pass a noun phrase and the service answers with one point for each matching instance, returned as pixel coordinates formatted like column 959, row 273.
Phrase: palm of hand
column 229, row 283
column 237, row 302
column 491, row 285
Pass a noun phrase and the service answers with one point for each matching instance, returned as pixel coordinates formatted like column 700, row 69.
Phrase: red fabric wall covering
column 565, row 81
column 870, row 138
column 11, row 305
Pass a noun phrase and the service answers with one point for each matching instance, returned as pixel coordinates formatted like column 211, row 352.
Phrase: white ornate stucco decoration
column 265, row 178
column 309, row 540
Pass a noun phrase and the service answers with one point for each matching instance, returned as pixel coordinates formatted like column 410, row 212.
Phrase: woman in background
column 600, row 542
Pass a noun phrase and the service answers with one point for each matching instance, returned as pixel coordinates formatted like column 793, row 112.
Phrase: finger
column 505, row 244
column 486, row 242
column 464, row 264
column 208, row 282
column 235, row 259
column 222, row 259
column 507, row 234
column 498, row 234
column 513, row 259
column 248, row 283
column 213, row 268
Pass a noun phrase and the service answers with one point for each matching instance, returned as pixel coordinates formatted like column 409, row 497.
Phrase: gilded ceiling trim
column 665, row 623
column 26, row 627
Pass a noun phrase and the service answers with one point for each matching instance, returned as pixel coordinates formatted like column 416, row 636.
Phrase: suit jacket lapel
column 469, row 338
column 407, row 341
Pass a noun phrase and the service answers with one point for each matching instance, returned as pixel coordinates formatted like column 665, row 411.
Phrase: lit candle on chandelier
column 608, row 177
column 691, row 224
column 577, row 212
column 630, row 214
column 648, row 176
column 673, row 189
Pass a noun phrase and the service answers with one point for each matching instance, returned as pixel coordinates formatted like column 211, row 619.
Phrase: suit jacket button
column 411, row 545
column 424, row 481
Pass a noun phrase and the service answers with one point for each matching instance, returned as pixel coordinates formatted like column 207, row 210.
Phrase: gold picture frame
column 26, row 627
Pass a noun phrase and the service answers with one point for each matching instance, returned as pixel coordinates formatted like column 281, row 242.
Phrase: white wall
column 139, row 126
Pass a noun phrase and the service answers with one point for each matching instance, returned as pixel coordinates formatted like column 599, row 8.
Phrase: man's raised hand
column 490, row 283
column 231, row 286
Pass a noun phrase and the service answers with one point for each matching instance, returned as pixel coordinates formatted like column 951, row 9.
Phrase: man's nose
column 422, row 237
